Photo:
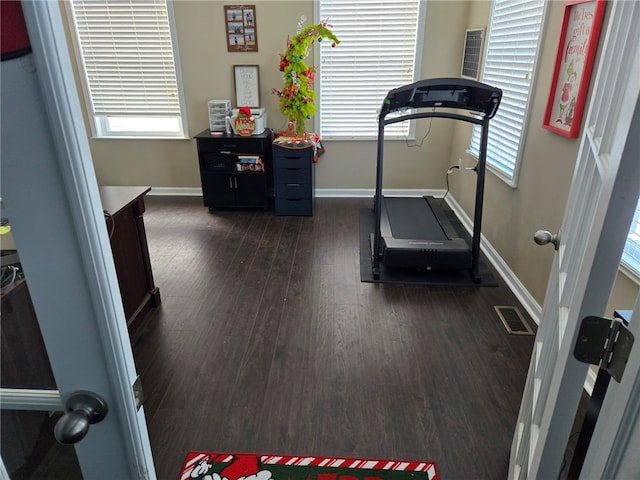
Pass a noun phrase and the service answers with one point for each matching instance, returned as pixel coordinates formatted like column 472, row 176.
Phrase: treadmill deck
column 422, row 233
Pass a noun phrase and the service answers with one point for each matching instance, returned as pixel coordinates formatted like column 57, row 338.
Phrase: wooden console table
column 124, row 208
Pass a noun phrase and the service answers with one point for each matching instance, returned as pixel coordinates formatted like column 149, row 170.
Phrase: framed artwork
column 574, row 61
column 242, row 34
column 247, row 82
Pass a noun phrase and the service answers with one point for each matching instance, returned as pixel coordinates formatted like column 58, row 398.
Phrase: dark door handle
column 83, row 409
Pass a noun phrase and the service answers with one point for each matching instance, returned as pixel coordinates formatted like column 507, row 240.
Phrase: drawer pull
column 293, row 184
column 293, row 169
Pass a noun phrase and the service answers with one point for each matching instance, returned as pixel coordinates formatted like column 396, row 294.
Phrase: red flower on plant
column 290, row 91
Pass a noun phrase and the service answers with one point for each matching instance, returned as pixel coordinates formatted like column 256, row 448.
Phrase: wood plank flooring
column 266, row 341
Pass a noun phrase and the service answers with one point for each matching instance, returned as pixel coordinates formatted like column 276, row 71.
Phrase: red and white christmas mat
column 243, row 466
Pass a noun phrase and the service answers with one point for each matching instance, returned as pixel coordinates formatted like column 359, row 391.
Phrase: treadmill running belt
column 413, row 219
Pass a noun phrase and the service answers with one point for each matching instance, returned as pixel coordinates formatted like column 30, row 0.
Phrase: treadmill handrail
column 454, row 93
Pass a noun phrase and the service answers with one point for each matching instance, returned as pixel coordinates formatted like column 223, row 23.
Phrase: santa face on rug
column 245, row 467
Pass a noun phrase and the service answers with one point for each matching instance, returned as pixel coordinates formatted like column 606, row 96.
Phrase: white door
column 50, row 193
column 603, row 196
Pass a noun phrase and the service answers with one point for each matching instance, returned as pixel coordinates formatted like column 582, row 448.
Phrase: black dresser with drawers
column 294, row 180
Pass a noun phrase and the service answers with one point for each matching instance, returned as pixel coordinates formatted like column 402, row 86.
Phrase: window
column 126, row 55
column 512, row 49
column 631, row 253
column 380, row 44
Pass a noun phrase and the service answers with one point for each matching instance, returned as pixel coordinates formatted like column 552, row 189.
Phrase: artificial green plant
column 297, row 98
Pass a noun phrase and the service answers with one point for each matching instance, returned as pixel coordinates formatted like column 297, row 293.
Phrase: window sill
column 139, row 137
column 366, row 139
column 511, row 181
column 629, row 273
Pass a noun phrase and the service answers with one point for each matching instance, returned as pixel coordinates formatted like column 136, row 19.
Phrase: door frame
column 612, row 451
column 51, row 193
column 554, row 387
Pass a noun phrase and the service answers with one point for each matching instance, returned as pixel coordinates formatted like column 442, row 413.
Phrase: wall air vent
column 513, row 320
column 472, row 55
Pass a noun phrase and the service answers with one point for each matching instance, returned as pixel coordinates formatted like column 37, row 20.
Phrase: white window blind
column 631, row 253
column 127, row 56
column 377, row 52
column 512, row 49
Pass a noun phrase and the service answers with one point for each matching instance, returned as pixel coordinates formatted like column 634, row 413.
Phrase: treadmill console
column 456, row 93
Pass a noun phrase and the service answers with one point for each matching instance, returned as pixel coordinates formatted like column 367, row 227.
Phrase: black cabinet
column 223, row 184
column 234, row 189
column 294, row 180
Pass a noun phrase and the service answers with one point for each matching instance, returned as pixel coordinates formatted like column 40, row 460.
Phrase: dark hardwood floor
column 266, row 341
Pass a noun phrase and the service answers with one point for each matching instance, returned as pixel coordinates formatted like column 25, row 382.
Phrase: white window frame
column 368, row 112
column 168, row 124
column 506, row 143
column 630, row 263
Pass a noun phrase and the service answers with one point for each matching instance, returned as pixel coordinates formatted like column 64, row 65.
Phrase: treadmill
column 424, row 233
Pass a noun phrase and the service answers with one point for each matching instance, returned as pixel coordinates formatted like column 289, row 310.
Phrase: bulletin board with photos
column 241, row 31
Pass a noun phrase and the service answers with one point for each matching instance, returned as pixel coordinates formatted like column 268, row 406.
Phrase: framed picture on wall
column 247, row 83
column 574, row 61
column 241, row 31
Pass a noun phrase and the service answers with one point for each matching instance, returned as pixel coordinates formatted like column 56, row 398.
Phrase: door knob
column 83, row 409
column 543, row 237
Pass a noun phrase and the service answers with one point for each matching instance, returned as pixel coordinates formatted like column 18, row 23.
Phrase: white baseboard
column 320, row 192
column 526, row 299
column 345, row 193
column 370, row 192
column 176, row 191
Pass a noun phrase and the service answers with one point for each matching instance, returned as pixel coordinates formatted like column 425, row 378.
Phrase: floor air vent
column 513, row 321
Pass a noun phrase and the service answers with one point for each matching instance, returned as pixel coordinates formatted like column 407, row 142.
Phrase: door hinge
column 606, row 343
column 137, row 392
